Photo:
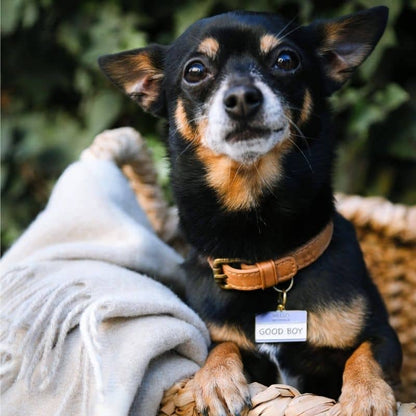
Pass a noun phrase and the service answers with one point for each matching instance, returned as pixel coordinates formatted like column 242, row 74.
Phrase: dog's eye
column 195, row 72
column 287, row 61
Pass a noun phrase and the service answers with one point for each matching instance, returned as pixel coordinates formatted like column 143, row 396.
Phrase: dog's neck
column 264, row 233
column 298, row 207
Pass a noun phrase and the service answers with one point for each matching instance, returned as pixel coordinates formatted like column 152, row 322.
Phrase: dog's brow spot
column 209, row 47
column 268, row 43
column 306, row 107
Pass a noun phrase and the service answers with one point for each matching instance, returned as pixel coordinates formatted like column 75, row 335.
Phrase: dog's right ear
column 139, row 73
column 344, row 43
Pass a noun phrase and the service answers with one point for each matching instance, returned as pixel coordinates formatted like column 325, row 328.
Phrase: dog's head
column 240, row 88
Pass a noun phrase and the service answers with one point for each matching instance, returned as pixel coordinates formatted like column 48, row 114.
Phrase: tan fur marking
column 228, row 333
column 268, row 43
column 182, row 124
column 306, row 107
column 364, row 391
column 209, row 47
column 337, row 326
column 362, row 364
column 240, row 186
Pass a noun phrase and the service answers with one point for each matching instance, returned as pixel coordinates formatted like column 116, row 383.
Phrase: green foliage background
column 54, row 99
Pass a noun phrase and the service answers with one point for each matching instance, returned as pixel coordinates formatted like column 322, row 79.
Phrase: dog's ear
column 139, row 73
column 344, row 43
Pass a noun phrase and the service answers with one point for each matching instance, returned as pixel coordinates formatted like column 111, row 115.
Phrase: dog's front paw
column 371, row 398
column 220, row 387
column 364, row 391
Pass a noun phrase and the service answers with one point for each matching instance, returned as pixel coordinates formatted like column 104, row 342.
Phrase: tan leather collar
column 265, row 274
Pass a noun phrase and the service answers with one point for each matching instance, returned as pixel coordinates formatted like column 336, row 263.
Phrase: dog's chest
column 283, row 377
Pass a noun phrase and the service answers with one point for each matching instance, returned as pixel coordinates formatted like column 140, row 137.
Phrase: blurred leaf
column 404, row 147
column 159, row 155
column 83, row 81
column 391, row 97
column 189, row 13
column 30, row 14
column 12, row 12
column 101, row 110
column 382, row 182
column 403, row 133
column 366, row 113
column 100, row 31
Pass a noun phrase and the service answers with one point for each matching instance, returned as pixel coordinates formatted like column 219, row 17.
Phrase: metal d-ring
column 283, row 298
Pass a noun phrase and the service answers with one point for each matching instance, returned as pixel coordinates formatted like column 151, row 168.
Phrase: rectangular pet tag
column 281, row 326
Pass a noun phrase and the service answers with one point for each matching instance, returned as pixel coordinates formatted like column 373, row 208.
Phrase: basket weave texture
column 387, row 235
column 275, row 400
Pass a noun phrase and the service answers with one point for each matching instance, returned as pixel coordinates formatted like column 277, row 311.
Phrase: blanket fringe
column 39, row 328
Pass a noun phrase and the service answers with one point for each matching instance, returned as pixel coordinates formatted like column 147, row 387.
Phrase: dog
column 252, row 150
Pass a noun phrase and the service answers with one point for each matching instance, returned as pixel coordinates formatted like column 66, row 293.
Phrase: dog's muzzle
column 245, row 120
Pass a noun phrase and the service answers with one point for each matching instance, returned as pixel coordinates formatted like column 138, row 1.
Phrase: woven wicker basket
column 387, row 233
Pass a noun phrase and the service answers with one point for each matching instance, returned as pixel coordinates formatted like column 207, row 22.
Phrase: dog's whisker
column 236, row 173
column 199, row 118
column 259, row 219
column 287, row 25
column 301, row 135
column 188, row 146
column 266, row 184
column 290, row 32
column 311, row 114
column 302, row 153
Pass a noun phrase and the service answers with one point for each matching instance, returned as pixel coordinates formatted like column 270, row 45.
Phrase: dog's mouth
column 249, row 133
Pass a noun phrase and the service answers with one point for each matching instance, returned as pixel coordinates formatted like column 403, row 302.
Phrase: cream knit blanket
column 88, row 323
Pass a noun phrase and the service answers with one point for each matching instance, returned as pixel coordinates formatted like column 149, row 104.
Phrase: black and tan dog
column 245, row 96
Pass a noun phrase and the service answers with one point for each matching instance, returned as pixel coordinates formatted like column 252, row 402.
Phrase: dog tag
column 281, row 326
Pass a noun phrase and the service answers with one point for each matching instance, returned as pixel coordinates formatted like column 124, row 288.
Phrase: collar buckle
column 218, row 271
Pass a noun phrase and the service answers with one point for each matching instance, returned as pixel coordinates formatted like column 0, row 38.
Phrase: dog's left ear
column 139, row 73
column 344, row 43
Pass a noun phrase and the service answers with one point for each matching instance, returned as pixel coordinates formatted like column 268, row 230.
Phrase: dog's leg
column 220, row 387
column 365, row 391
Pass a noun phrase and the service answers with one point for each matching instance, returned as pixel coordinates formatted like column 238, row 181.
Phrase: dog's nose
column 242, row 101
